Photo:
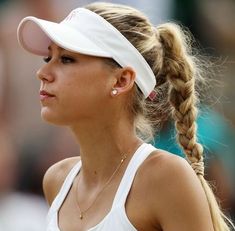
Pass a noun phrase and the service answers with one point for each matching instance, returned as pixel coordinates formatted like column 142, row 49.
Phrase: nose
column 44, row 75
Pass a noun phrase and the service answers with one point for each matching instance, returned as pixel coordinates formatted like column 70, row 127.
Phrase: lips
column 45, row 95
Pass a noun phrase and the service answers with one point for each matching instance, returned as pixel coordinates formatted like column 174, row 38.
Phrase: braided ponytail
column 180, row 69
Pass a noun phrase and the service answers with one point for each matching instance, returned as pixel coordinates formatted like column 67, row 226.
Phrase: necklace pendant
column 81, row 216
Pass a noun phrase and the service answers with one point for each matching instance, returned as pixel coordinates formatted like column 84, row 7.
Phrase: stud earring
column 114, row 92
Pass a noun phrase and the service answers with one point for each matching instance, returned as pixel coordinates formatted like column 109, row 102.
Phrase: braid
column 180, row 72
column 180, row 69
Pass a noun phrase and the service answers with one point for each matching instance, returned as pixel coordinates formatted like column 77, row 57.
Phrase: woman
column 107, row 76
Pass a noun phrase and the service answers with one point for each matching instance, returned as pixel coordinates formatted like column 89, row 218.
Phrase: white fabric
column 116, row 219
column 88, row 33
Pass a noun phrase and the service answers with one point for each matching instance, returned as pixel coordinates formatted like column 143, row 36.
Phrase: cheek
column 85, row 90
column 72, row 105
column 79, row 97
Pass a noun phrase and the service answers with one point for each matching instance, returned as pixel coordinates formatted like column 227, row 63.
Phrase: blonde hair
column 167, row 50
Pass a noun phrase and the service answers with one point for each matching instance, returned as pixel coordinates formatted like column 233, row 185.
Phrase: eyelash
column 64, row 59
column 47, row 59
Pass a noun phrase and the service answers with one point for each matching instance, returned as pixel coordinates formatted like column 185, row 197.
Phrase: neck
column 103, row 146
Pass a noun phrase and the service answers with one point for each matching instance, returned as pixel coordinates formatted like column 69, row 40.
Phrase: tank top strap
column 138, row 158
column 56, row 204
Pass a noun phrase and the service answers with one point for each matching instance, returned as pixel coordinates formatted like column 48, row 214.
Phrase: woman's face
column 74, row 87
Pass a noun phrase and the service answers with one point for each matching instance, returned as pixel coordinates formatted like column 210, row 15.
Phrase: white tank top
column 116, row 219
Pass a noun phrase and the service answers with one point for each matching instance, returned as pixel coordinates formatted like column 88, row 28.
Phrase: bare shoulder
column 175, row 191
column 164, row 166
column 169, row 174
column 167, row 171
column 55, row 176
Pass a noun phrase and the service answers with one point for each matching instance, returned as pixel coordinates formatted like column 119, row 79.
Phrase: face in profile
column 74, row 86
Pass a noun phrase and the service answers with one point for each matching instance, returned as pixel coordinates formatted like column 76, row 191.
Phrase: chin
column 52, row 118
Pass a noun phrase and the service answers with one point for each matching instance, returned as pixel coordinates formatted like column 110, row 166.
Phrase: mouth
column 45, row 95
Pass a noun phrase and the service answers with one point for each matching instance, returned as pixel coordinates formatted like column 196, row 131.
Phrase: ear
column 125, row 80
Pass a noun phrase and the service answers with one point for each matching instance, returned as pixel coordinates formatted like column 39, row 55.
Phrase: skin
column 104, row 129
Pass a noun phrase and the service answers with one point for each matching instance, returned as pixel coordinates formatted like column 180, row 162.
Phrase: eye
column 67, row 59
column 47, row 59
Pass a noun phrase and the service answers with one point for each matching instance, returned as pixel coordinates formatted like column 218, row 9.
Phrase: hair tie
column 152, row 95
column 198, row 167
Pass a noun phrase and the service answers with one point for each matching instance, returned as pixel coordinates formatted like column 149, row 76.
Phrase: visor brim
column 35, row 35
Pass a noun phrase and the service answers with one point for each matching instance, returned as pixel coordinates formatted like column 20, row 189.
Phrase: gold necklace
column 82, row 212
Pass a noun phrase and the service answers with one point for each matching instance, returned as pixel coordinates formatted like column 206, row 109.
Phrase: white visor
column 85, row 32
